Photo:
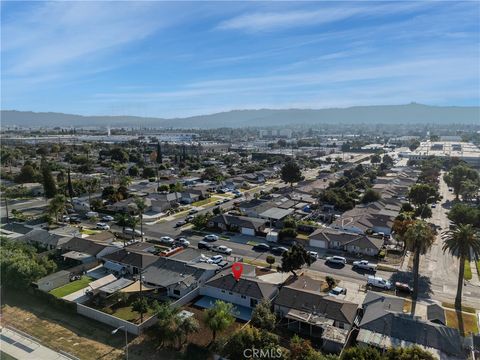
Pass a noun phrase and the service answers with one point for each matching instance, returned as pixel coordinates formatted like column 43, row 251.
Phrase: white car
column 167, row 240
column 129, row 231
column 102, row 226
column 379, row 282
column 223, row 249
column 91, row 214
column 210, row 237
column 215, row 259
column 313, row 255
column 107, row 218
column 336, row 260
column 219, row 202
column 365, row 265
column 182, row 242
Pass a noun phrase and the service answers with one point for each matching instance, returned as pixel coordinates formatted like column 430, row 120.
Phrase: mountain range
column 381, row 114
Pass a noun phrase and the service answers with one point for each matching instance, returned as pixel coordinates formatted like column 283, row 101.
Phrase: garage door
column 248, row 231
column 318, row 243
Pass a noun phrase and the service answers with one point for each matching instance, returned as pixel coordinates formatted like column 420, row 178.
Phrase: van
column 379, row 282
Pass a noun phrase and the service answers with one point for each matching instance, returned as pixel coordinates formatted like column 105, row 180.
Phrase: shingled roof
column 251, row 287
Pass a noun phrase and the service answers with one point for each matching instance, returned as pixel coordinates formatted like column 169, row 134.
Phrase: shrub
column 330, row 281
column 286, row 233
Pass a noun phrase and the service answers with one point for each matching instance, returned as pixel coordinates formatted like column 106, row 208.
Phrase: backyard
column 70, row 288
column 469, row 321
column 126, row 313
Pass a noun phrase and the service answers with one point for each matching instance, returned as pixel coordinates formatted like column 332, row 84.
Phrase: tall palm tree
column 419, row 237
column 122, row 220
column 464, row 243
column 141, row 206
column 219, row 317
column 185, row 327
column 57, row 205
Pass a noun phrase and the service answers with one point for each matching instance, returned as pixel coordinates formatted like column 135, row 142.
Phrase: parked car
column 379, row 282
column 313, row 255
column 279, row 250
column 365, row 265
column 336, row 260
column 210, row 237
column 225, row 200
column 189, row 218
column 65, row 218
column 193, row 211
column 167, row 240
column 403, row 287
column 215, row 259
column 102, row 226
column 204, row 245
column 182, row 242
column 237, row 196
column 261, row 247
column 75, row 220
column 434, row 206
column 180, row 223
column 91, row 214
column 222, row 249
column 129, row 231
column 218, row 202
column 336, row 291
column 107, row 218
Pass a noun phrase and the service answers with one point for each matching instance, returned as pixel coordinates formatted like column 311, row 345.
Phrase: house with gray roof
column 243, row 224
column 245, row 293
column 384, row 324
column 44, row 238
column 130, row 260
column 326, row 238
column 176, row 278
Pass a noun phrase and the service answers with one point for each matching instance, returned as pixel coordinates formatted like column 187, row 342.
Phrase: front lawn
column 464, row 308
column 70, row 288
column 469, row 321
column 126, row 313
column 204, row 202
column 478, row 267
column 89, row 231
column 467, row 275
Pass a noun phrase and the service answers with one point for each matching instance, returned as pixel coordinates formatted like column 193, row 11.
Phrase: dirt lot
column 75, row 334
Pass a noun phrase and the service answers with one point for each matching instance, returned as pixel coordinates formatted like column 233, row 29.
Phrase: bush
column 330, row 281
column 270, row 260
column 287, row 233
column 382, row 254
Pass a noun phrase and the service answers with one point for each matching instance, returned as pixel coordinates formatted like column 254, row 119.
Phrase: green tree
column 92, row 184
column 56, row 206
column 27, row 174
column 291, row 172
column 361, row 353
column 376, row 159
column 133, row 171
column 49, row 186
column 370, row 195
column 187, row 326
column 424, row 211
column 140, row 305
column 461, row 176
column 462, row 214
column 148, row 172
column 294, row 259
column 270, row 260
column 219, row 317
column 421, row 194
column 464, row 243
column 301, row 349
column 247, row 338
column 263, row 317
column 419, row 238
column 168, row 321
column 159, row 158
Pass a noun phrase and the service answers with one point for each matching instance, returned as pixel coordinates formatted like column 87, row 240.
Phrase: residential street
column 440, row 268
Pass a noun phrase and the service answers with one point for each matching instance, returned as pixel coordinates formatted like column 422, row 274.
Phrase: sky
column 177, row 59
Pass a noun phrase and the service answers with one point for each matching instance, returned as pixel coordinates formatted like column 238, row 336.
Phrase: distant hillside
column 386, row 114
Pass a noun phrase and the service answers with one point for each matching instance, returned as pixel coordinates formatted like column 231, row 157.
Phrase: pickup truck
column 222, row 249
column 365, row 265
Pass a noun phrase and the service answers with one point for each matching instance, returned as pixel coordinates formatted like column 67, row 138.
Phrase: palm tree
column 168, row 321
column 132, row 222
column 464, row 243
column 92, row 185
column 419, row 237
column 57, row 206
column 186, row 327
column 219, row 317
column 141, row 206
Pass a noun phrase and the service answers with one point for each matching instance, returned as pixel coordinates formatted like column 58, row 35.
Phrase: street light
column 126, row 338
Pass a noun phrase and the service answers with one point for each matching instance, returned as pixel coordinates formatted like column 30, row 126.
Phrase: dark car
column 279, row 250
column 75, row 220
column 403, row 287
column 204, row 245
column 262, row 247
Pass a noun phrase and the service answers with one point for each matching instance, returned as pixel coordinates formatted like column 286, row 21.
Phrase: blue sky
column 171, row 59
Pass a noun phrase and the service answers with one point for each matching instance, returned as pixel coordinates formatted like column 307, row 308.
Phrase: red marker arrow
column 237, row 269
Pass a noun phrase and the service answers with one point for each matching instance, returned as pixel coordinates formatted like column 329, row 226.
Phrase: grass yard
column 126, row 313
column 478, row 266
column 204, row 201
column 89, row 231
column 70, row 288
column 469, row 321
column 464, row 308
column 256, row 262
column 386, row 268
column 252, row 243
column 468, row 271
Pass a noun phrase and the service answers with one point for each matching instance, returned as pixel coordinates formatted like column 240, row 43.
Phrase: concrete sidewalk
column 23, row 347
